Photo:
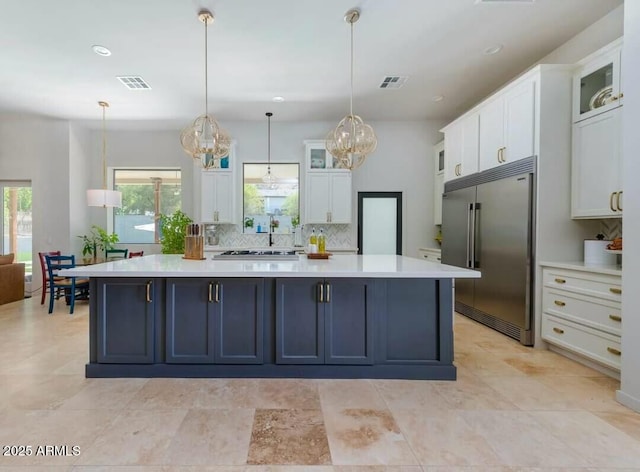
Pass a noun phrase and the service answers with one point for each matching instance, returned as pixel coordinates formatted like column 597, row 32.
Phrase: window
column 275, row 207
column 16, row 221
column 146, row 193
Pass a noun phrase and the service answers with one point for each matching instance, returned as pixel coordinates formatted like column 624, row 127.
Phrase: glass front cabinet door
column 318, row 158
column 598, row 86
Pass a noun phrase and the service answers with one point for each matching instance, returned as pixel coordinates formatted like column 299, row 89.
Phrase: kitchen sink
column 260, row 255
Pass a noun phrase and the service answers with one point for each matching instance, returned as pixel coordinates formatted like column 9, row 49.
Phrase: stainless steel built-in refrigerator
column 488, row 225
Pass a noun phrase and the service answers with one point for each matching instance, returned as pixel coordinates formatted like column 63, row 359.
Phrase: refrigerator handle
column 475, row 254
column 469, row 238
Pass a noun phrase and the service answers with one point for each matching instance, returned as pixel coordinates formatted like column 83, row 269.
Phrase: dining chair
column 45, row 273
column 136, row 254
column 111, row 254
column 70, row 286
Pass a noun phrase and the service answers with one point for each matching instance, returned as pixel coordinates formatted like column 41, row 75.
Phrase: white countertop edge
column 579, row 265
column 338, row 266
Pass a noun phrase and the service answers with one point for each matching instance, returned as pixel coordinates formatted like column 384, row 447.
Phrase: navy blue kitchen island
column 346, row 317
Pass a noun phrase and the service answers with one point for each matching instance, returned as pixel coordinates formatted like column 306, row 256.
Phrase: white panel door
column 491, row 133
column 519, row 122
column 318, row 197
column 340, row 190
column 596, row 166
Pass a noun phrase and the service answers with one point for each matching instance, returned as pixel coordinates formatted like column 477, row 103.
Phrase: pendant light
column 103, row 197
column 204, row 139
column 352, row 140
column 269, row 179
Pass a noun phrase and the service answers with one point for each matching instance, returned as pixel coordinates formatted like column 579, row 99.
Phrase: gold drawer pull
column 617, row 291
column 613, row 351
column 558, row 330
column 559, row 303
column 561, row 281
column 615, row 317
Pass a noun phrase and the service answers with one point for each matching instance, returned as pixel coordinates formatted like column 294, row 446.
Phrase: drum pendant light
column 104, row 197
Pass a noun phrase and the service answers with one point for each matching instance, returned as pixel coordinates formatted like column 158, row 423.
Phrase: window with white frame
column 146, row 193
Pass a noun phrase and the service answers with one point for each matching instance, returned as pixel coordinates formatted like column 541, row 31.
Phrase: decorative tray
column 318, row 255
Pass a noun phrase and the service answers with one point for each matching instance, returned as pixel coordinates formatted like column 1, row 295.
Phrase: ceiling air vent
column 134, row 82
column 505, row 1
column 393, row 82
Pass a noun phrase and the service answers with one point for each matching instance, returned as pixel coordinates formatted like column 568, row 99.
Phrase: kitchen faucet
column 270, row 230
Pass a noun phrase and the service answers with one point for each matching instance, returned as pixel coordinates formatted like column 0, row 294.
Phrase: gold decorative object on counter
column 194, row 242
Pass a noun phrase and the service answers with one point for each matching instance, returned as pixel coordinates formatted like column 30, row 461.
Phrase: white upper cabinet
column 328, row 197
column 438, row 184
column 596, row 183
column 597, row 84
column 461, row 147
column 217, row 197
column 507, row 126
column 318, row 159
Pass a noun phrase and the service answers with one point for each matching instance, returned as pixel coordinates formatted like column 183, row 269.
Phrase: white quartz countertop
column 162, row 265
column 595, row 268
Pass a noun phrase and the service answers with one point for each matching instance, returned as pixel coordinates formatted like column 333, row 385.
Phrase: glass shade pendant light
column 352, row 140
column 104, row 197
column 269, row 179
column 204, row 139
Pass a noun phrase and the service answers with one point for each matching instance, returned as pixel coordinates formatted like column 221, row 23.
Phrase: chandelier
column 352, row 140
column 103, row 197
column 269, row 179
column 204, row 139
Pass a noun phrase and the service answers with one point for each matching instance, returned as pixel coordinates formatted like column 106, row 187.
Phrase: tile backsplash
column 338, row 237
column 611, row 228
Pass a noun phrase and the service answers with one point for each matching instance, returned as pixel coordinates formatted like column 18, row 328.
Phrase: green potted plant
column 98, row 238
column 173, row 229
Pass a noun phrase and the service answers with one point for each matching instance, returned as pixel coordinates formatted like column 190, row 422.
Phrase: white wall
column 402, row 162
column 629, row 393
column 37, row 149
column 80, row 172
column 592, row 38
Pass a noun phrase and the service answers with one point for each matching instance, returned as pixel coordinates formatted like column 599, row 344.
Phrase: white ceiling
column 258, row 49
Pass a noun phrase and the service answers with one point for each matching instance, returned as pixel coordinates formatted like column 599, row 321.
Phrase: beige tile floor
column 511, row 409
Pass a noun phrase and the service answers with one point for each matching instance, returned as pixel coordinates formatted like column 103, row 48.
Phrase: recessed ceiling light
column 100, row 50
column 278, row 99
column 437, row 98
column 493, row 50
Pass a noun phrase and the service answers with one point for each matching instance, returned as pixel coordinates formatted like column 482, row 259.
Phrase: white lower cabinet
column 430, row 254
column 582, row 313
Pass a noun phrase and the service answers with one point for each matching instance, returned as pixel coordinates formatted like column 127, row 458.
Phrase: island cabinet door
column 300, row 321
column 348, row 308
column 239, row 317
column 414, row 325
column 190, row 321
column 126, row 319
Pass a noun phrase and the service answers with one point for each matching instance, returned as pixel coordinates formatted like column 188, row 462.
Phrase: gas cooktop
column 261, row 255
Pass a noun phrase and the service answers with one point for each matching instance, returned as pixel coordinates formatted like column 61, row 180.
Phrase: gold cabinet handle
column 611, row 197
column 217, row 299
column 321, row 292
column 615, row 318
column 149, row 291
column 614, row 98
column 558, row 330
column 617, row 291
column 560, row 281
column 498, row 154
column 621, row 95
column 210, row 292
column 618, row 206
column 559, row 303
column 328, row 292
column 614, row 351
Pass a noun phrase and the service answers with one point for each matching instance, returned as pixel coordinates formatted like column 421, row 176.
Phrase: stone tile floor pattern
column 511, row 409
